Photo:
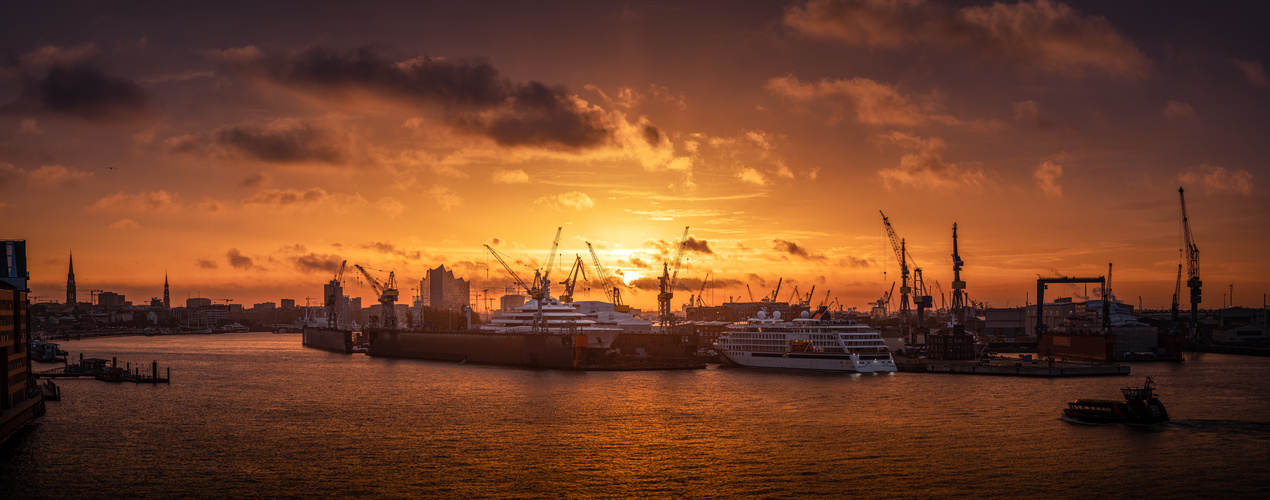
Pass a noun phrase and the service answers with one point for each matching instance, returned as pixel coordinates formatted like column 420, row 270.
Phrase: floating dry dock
column 109, row 371
column 1011, row 367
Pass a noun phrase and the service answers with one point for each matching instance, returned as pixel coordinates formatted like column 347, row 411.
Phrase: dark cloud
column 652, row 135
column 850, row 261
column 252, row 181
column 473, row 95
column 638, row 262
column 699, row 246
column 312, row 262
column 238, row 260
column 207, row 264
column 73, row 82
column 649, row 284
column 287, row 142
column 391, row 249
column 794, row 249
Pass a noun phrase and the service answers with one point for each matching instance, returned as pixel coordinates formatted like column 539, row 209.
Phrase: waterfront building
column 110, row 299
column 512, row 300
column 20, row 400
column 288, row 303
column 196, row 302
column 441, row 291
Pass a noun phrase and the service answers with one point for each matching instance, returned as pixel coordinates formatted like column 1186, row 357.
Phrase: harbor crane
column 775, row 293
column 551, row 261
column 572, row 279
column 701, row 302
column 667, row 282
column 611, row 291
column 1177, row 294
column 533, row 291
column 901, row 253
column 1192, row 269
column 335, row 292
column 387, row 297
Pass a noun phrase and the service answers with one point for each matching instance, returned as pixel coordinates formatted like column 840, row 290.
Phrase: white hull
column 800, row 361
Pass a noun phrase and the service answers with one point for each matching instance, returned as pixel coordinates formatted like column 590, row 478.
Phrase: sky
column 246, row 149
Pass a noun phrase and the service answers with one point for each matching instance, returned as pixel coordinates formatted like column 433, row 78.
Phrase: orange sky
column 247, row 150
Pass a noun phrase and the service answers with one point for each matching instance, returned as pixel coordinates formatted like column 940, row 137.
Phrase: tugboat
column 1140, row 406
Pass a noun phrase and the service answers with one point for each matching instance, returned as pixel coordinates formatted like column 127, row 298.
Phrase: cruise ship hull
column 809, row 361
column 544, row 350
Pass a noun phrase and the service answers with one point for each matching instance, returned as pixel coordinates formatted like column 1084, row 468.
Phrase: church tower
column 167, row 300
column 70, row 283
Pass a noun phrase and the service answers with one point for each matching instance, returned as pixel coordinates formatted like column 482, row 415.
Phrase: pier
column 109, row 371
column 1011, row 367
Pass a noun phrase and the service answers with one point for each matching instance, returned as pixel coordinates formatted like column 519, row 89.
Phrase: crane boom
column 668, row 283
column 572, row 279
column 519, row 282
column 551, row 261
column 611, row 291
column 901, row 253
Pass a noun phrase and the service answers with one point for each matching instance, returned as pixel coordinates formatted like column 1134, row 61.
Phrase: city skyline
column 248, row 163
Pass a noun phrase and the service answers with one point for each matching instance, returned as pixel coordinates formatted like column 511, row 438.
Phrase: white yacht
column 561, row 318
column 806, row 343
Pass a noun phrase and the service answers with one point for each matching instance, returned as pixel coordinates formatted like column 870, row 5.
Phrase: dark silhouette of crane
column 611, row 291
column 1192, row 269
column 335, row 292
column 387, row 297
column 571, row 279
column 667, row 282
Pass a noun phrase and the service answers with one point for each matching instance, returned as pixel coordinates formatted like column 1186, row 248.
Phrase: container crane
column 572, row 279
column 387, row 297
column 611, row 291
column 1192, row 269
column 667, row 282
column 901, row 253
column 335, row 292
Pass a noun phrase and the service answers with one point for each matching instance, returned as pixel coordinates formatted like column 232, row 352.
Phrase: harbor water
column 257, row 415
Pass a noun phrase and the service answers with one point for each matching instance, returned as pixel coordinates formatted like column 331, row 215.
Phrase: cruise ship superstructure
column 805, row 343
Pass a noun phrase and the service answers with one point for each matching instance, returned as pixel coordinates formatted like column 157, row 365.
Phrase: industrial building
column 20, row 400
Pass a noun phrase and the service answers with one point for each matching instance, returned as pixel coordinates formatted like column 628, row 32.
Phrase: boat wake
column 1222, row 426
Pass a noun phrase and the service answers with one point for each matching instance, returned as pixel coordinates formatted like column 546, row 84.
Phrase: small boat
column 1140, row 406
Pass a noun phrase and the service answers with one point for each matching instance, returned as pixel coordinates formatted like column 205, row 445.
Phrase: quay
column 108, row 371
column 1019, row 367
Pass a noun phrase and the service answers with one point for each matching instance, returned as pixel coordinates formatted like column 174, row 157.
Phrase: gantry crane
column 572, row 279
column 1192, row 269
column 387, row 297
column 335, row 292
column 667, row 282
column 901, row 253
column 610, row 290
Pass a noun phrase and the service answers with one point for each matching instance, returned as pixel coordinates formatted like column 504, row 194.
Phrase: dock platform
column 1011, row 367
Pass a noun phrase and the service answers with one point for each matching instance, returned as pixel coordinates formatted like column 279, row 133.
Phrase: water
column 257, row 415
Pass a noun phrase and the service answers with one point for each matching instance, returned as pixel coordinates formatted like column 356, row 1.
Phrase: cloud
column 1044, row 35
column 124, row 224
column 857, row 262
column 575, row 200
column 1217, row 179
column 923, row 167
column 446, row 197
column 283, row 141
column 1178, row 109
column 695, row 245
column 1047, row 175
column 57, row 175
column 146, row 201
column 872, row 103
column 1029, row 113
column 207, row 264
column 287, row 197
column 240, row 261
column 313, row 262
column 29, row 126
column 255, row 180
column 747, row 174
column 1253, row 72
column 517, row 176
column 472, row 95
column 389, row 248
column 794, row 249
column 73, row 82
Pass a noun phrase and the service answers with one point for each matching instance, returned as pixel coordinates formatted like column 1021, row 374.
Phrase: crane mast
column 1192, row 269
column 335, row 292
column 611, row 291
column 901, row 253
column 668, row 283
column 1177, row 294
column 387, row 297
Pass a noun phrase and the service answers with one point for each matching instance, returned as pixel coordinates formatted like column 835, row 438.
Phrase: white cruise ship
column 804, row 344
column 561, row 318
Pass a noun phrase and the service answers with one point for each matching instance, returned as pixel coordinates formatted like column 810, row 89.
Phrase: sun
column 630, row 276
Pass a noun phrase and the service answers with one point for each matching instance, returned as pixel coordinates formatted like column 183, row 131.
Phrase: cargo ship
column 545, row 334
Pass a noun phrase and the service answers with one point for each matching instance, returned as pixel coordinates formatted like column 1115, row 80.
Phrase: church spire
column 167, row 301
column 70, row 282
